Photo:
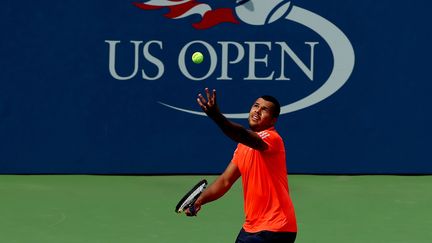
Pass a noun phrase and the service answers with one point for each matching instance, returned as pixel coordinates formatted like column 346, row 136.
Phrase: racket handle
column 192, row 210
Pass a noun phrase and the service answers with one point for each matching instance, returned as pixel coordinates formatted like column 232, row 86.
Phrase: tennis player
column 260, row 160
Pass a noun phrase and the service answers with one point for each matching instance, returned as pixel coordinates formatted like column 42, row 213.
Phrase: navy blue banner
column 110, row 88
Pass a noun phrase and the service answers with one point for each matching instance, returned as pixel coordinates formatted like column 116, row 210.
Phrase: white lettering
column 286, row 49
column 224, row 61
column 230, row 53
column 112, row 59
column 253, row 60
column 154, row 60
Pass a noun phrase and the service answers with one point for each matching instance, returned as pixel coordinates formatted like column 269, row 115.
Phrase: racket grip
column 192, row 210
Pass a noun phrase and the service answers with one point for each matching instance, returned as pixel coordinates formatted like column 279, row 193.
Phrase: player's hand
column 193, row 210
column 209, row 105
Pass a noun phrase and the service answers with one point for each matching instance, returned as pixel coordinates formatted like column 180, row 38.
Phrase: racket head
column 191, row 196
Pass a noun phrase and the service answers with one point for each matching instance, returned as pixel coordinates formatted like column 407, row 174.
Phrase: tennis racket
column 190, row 197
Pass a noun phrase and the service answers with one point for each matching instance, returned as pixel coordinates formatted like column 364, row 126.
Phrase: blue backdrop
column 96, row 87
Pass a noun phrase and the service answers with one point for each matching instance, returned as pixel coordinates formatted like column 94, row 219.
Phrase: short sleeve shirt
column 267, row 203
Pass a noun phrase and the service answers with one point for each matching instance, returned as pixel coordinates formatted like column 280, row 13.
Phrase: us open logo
column 253, row 13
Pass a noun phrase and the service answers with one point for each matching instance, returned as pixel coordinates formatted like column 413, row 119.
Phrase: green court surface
column 132, row 209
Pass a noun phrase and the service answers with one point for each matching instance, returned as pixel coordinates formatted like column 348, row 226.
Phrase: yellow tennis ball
column 197, row 57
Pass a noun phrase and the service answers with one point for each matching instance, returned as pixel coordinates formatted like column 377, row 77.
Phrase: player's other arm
column 233, row 130
column 218, row 188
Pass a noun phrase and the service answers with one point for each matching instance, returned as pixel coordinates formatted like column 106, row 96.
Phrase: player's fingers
column 214, row 96
column 211, row 98
column 203, row 107
column 192, row 210
column 202, row 99
column 208, row 94
column 199, row 102
column 190, row 213
column 197, row 208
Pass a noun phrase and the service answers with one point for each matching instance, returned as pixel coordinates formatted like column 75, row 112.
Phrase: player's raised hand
column 209, row 105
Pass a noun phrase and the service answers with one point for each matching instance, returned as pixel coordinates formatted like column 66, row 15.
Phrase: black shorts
column 266, row 237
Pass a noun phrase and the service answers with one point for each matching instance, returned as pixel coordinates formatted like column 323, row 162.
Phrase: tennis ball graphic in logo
column 197, row 57
column 261, row 12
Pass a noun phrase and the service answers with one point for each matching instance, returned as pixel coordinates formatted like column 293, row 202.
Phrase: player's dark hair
column 276, row 105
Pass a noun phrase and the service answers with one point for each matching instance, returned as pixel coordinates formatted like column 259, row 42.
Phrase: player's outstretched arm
column 233, row 130
column 217, row 189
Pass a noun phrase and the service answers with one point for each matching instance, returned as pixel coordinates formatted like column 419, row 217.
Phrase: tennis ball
column 197, row 57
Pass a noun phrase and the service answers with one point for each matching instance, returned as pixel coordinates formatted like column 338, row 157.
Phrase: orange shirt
column 267, row 203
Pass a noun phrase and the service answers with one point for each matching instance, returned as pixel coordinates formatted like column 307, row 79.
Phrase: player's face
column 260, row 115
